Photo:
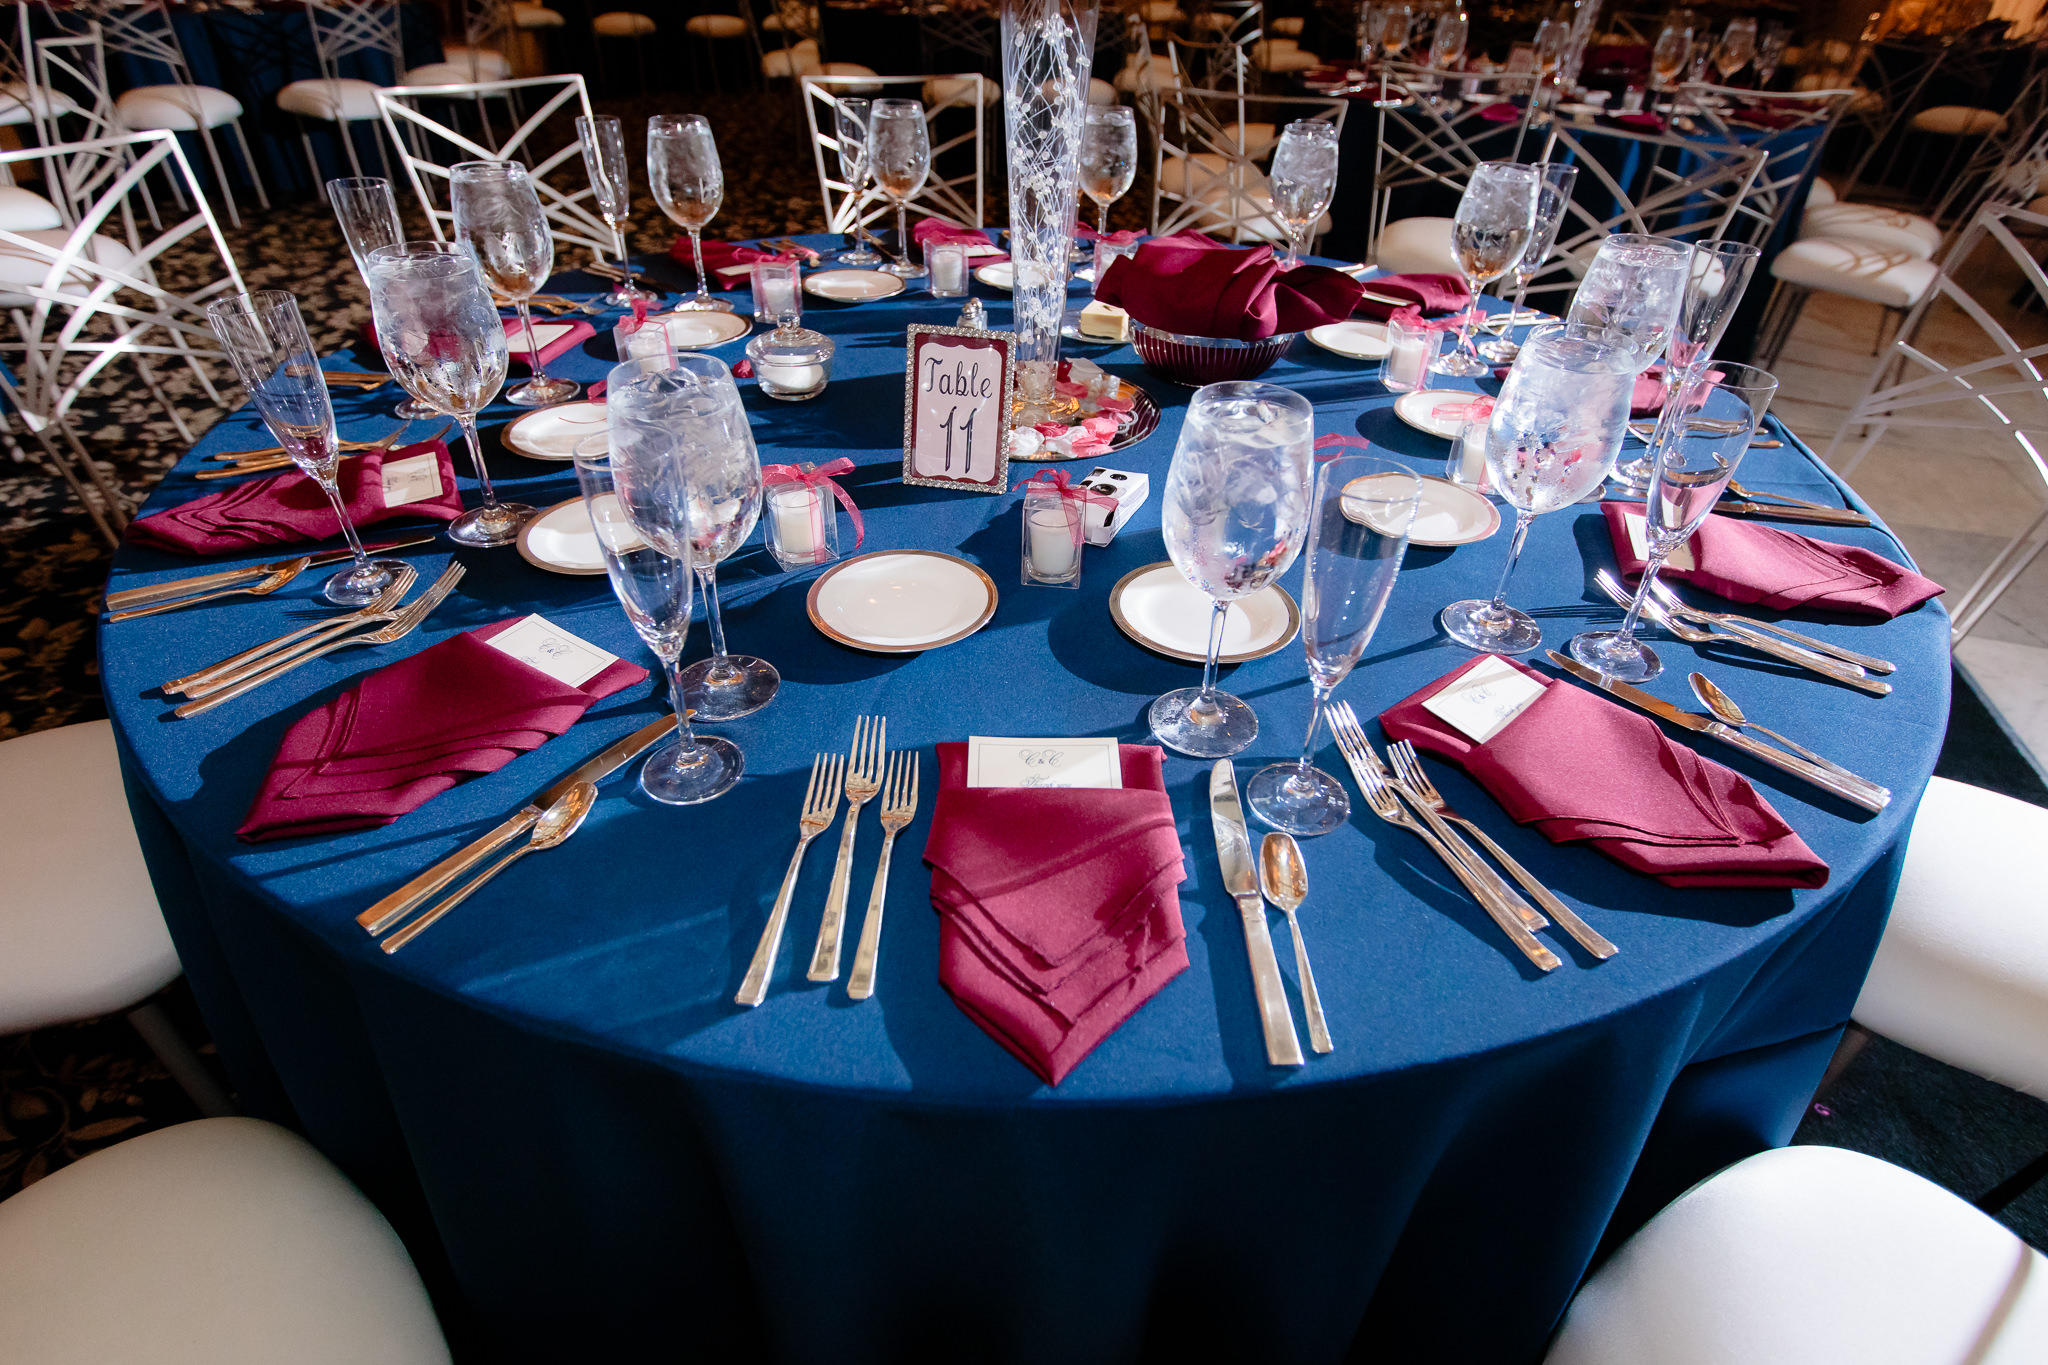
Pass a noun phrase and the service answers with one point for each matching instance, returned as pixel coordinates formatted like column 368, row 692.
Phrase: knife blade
column 1241, row 880
column 416, row 892
column 1860, row 791
column 1826, row 516
column 186, row 587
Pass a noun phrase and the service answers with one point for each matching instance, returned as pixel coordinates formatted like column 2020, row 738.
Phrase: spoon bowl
column 556, row 824
column 1724, row 708
column 1283, row 877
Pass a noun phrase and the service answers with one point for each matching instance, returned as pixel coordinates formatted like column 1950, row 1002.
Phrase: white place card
column 1639, row 544
column 1482, row 702
column 554, row 651
column 415, row 478
column 994, row 762
column 545, row 334
column 975, row 249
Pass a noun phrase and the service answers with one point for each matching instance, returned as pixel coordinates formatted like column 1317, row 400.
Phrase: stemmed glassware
column 1719, row 274
column 850, row 128
column 683, row 170
column 1495, row 220
column 1553, row 197
column 1555, row 431
column 1553, row 35
column 1447, row 44
column 1667, row 58
column 1738, row 45
column 1390, row 26
column 445, row 343
column 900, row 157
column 1713, row 419
column 1109, row 157
column 368, row 214
column 1358, row 532
column 603, row 139
column 1632, row 293
column 1770, row 50
column 498, row 219
column 1235, row 514
column 1304, row 180
column 265, row 336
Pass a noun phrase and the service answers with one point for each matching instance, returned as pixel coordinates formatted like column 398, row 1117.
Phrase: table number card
column 415, row 478
column 545, row 334
column 995, row 762
column 546, row 646
column 1638, row 541
column 1485, row 698
column 958, row 386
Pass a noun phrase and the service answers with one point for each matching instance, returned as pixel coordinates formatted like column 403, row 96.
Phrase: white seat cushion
column 1280, row 60
column 22, row 103
column 620, row 23
column 80, row 932
column 717, row 26
column 1417, row 246
column 855, row 69
column 940, row 89
column 1207, row 176
column 1962, row 970
column 1861, row 270
column 1258, row 138
column 1959, row 120
column 26, row 211
column 1158, row 75
column 798, row 59
column 535, row 16
column 1908, row 232
column 219, row 1242
column 1813, row 1256
column 462, row 66
column 1820, row 192
column 1162, row 12
column 773, row 23
column 342, row 100
column 180, row 108
column 1287, row 25
column 1100, row 91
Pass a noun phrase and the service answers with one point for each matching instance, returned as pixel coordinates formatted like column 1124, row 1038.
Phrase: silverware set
column 129, row 603
column 555, row 825
column 361, row 380
column 240, row 463
column 1814, row 656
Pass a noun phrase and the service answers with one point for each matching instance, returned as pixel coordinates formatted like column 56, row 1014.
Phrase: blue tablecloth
column 617, row 1159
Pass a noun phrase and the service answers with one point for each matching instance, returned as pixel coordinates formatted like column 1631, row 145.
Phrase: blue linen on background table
column 554, row 1088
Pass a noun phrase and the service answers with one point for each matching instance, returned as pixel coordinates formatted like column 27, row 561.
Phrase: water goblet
column 1390, row 26
column 1719, row 274
column 1109, row 157
column 850, row 131
column 1632, row 293
column 689, row 184
column 1359, row 517
column 265, row 336
column 1553, row 196
column 1495, row 220
column 1555, row 431
column 1712, row 419
column 498, row 218
column 1770, row 50
column 900, row 157
column 603, row 139
column 1235, row 513
column 1304, row 180
column 368, row 214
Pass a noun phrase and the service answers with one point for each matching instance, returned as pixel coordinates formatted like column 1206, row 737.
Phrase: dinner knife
column 1241, row 880
column 1860, row 791
column 186, row 587
column 416, row 892
column 1826, row 516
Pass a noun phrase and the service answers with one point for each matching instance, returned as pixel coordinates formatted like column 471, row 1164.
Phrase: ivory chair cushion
column 1162, row 12
column 1861, row 270
column 535, row 16
column 1158, row 75
column 1908, row 232
column 798, row 59
column 341, row 100
column 1819, row 192
column 1417, row 246
column 1287, row 25
column 939, row 89
column 218, row 1242
column 854, row 69
column 1813, row 1256
column 622, row 23
column 717, row 26
column 1258, row 138
column 1100, row 91
column 26, row 211
column 22, row 103
column 1959, row 120
column 1962, row 970
column 773, row 23
column 149, row 107
column 463, row 66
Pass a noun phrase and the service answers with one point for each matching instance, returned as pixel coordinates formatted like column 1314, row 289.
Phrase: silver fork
column 863, row 780
column 898, row 808
column 1663, row 593
column 1840, row 670
column 1379, row 795
column 1409, row 766
column 821, row 803
column 276, row 651
column 396, row 629
column 262, row 587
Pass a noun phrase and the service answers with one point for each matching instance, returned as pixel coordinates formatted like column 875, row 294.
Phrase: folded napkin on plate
column 555, row 335
column 1190, row 284
column 1500, row 112
column 1058, row 914
column 931, row 231
column 1642, row 123
column 1747, row 561
column 1427, row 293
column 409, row 732
column 727, row 261
column 1582, row 769
column 290, row 507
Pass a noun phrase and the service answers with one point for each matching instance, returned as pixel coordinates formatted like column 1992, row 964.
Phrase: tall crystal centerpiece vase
column 1048, row 47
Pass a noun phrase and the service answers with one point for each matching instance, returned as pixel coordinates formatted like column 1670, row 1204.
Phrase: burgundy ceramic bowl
column 1195, row 361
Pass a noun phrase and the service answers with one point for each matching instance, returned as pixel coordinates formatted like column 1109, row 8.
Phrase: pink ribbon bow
column 1330, row 447
column 1470, row 409
column 1411, row 318
column 1057, row 481
column 814, row 475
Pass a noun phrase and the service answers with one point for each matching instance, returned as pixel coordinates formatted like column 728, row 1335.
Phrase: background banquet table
column 555, row 1086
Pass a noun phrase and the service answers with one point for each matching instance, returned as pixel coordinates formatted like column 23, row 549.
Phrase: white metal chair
column 342, row 29
column 487, row 27
column 1424, row 145
column 1206, row 146
column 25, row 99
column 74, row 66
column 957, row 199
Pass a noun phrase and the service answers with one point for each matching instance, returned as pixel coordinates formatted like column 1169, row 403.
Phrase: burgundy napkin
column 1058, row 914
column 1429, row 293
column 720, row 255
column 515, row 337
column 1747, row 561
column 1647, row 398
column 1642, row 123
column 1583, row 769
column 290, row 507
column 1502, row 112
column 1189, row 284
column 932, row 230
column 409, row 732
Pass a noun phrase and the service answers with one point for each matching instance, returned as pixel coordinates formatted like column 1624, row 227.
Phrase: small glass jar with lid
column 792, row 362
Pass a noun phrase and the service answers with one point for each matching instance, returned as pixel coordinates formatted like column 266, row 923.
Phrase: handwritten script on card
column 996, row 762
column 546, row 646
column 412, row 479
column 1485, row 699
column 956, row 410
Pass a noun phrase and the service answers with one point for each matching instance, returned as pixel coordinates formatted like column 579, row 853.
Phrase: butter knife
column 1860, row 791
column 1241, row 880
column 1825, row 516
column 420, row 889
column 206, row 582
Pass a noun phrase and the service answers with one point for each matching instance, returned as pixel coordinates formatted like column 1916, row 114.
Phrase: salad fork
column 1840, row 670
column 897, row 810
column 821, row 803
column 262, row 587
column 276, row 652
column 863, row 780
column 1673, row 602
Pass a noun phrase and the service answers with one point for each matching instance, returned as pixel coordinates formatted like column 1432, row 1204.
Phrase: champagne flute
column 1632, row 293
column 850, row 127
column 1694, row 466
column 1495, row 220
column 1235, row 513
column 1358, row 532
column 1738, row 45
column 265, row 336
column 1447, row 44
column 1720, row 273
column 900, row 157
column 1553, row 436
column 1303, row 181
column 1394, row 24
column 603, row 140
column 444, row 341
column 1553, row 35
column 368, row 214
column 1109, row 157
column 1770, row 50
column 1667, row 58
column 683, row 169
column 498, row 219
column 1553, row 196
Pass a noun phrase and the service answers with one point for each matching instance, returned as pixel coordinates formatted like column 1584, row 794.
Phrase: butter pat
column 1105, row 321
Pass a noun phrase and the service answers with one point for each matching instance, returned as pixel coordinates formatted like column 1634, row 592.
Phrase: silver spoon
column 1724, row 708
column 1285, row 882
column 556, row 823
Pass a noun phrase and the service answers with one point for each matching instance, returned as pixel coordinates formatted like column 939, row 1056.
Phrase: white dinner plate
column 562, row 540
column 1165, row 613
column 552, row 433
column 696, row 331
column 1358, row 340
column 1420, row 410
column 1446, row 514
column 1001, row 275
column 852, row 286
column 901, row 601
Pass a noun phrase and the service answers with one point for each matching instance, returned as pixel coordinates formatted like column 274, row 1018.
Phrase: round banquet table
column 554, row 1089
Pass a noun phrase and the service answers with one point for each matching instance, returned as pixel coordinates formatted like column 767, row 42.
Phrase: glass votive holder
column 776, row 291
column 1105, row 252
column 638, row 339
column 1631, row 100
column 947, row 262
column 1466, row 466
column 1052, row 539
column 791, row 363
column 1411, row 349
column 803, row 524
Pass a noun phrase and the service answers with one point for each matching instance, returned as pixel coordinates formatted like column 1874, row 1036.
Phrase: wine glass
column 850, row 128
column 1632, row 292
column 445, row 343
column 368, row 215
column 1737, row 46
column 1553, row 436
column 900, row 157
column 1667, row 58
column 1358, row 531
column 498, row 218
column 1720, row 273
column 1495, row 220
column 1303, row 180
column 603, row 139
column 1235, row 514
column 683, row 169
column 1553, row 196
column 1714, row 419
column 1770, row 50
column 1394, row 25
column 265, row 336
column 1447, row 44
column 1552, row 36
column 634, row 491
column 1109, row 157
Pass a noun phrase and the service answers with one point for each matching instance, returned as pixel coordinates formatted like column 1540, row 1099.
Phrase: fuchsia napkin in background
column 717, row 257
column 1430, row 293
column 1747, row 561
column 290, row 507
column 579, row 332
column 1647, row 398
column 1058, row 913
column 1582, row 769
column 1642, row 123
column 931, row 230
column 409, row 732
column 1190, row 284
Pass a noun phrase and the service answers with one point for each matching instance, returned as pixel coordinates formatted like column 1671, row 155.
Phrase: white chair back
column 76, row 66
column 1205, row 158
column 342, row 28
column 1425, row 142
column 1794, row 149
column 141, row 29
column 957, row 199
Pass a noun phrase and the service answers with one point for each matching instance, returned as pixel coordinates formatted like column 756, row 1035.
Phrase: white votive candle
column 1407, row 359
column 1053, row 551
column 790, row 378
column 795, row 510
column 948, row 264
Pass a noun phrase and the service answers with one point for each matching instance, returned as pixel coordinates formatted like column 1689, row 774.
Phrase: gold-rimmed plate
column 552, row 433
column 1446, row 513
column 562, row 540
column 901, row 601
column 700, row 331
column 852, row 286
column 1002, row 275
column 1440, row 412
column 1353, row 339
column 1168, row 615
